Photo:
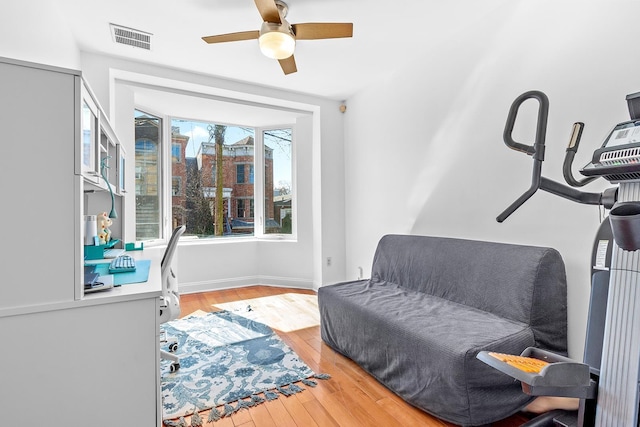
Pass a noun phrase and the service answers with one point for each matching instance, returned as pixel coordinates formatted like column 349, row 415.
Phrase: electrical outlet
column 328, row 261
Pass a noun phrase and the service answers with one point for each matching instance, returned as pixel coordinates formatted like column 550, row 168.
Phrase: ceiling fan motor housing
column 277, row 40
column 282, row 8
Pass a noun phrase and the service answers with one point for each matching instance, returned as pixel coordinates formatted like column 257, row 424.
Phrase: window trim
column 217, row 91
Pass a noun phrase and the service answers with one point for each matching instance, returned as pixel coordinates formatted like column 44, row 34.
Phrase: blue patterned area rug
column 227, row 361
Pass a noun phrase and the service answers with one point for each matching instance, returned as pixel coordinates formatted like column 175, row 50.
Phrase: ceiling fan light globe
column 276, row 43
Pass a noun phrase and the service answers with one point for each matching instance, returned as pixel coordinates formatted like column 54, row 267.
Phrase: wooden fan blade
column 232, row 37
column 268, row 10
column 288, row 65
column 320, row 30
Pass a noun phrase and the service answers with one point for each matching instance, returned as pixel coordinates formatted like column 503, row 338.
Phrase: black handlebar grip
column 541, row 127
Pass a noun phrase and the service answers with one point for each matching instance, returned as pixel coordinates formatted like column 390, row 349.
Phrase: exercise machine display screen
column 619, row 157
column 623, row 134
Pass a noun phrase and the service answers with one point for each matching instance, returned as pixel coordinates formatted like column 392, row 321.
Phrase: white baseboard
column 241, row 282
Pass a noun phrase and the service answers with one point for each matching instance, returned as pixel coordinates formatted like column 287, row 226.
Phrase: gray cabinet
column 40, row 191
column 90, row 360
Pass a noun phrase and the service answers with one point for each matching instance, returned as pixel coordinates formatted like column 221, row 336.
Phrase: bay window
column 212, row 186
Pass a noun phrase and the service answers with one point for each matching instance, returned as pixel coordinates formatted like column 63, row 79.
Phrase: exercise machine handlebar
column 572, row 149
column 536, row 150
column 606, row 198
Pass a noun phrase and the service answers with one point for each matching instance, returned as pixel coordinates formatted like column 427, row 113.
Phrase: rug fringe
column 180, row 423
column 310, row 383
column 228, row 409
column 196, row 420
column 244, row 404
column 270, row 395
column 214, row 415
column 283, row 391
column 257, row 399
column 293, row 388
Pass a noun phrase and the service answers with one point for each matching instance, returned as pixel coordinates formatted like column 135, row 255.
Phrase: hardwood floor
column 351, row 398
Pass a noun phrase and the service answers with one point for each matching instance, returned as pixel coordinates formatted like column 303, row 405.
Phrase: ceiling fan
column 277, row 37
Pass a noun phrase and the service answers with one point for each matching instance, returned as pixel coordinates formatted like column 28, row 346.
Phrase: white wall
column 37, row 32
column 424, row 148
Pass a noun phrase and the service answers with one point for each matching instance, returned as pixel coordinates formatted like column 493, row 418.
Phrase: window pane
column 240, row 174
column 240, row 205
column 147, row 161
column 176, row 153
column 89, row 121
column 176, row 186
column 278, row 181
column 214, row 154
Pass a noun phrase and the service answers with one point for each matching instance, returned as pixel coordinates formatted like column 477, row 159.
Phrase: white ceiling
column 387, row 35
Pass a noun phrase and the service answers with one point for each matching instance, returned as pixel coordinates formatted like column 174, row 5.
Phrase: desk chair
column 170, row 299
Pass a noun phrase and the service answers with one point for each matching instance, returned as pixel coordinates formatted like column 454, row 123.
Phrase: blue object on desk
column 140, row 275
column 97, row 252
column 122, row 264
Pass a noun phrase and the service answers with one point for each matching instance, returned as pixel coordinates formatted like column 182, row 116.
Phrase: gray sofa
column 432, row 304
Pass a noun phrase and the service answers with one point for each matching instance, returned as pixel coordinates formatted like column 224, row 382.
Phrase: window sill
column 240, row 240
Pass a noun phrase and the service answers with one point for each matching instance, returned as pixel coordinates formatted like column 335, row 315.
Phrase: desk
column 147, row 295
column 149, row 289
column 95, row 359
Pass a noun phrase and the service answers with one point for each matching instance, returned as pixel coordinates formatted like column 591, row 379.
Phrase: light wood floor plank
column 321, row 416
column 224, row 422
column 365, row 408
column 241, row 417
column 261, row 416
column 297, row 411
column 281, row 417
column 406, row 417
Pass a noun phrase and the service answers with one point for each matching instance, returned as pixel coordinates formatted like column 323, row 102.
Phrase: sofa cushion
column 424, row 348
column 523, row 283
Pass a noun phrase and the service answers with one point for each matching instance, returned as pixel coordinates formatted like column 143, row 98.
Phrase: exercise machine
column 607, row 380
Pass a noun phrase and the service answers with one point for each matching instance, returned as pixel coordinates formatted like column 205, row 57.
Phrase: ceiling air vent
column 131, row 37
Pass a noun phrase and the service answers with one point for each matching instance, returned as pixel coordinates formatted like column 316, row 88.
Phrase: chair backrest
column 170, row 306
column 171, row 247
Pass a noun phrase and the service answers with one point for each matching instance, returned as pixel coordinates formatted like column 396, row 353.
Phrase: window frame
column 164, row 182
column 259, row 181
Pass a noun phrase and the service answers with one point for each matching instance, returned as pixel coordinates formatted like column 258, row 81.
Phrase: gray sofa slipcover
column 432, row 304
